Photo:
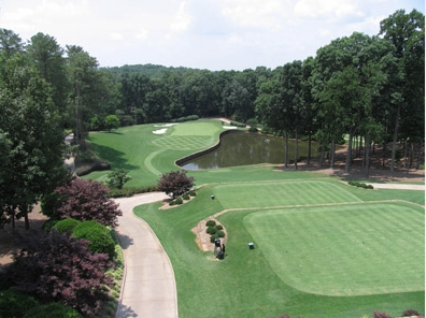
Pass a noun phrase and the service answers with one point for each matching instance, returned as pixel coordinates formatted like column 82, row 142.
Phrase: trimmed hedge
column 52, row 310
column 360, row 185
column 15, row 304
column 128, row 192
column 66, row 225
column 98, row 235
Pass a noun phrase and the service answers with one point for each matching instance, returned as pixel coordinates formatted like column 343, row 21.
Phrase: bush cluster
column 360, row 185
column 128, row 192
column 185, row 196
column 98, row 235
column 215, row 230
column 187, row 118
column 238, row 124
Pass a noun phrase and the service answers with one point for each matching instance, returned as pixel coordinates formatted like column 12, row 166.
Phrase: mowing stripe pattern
column 344, row 250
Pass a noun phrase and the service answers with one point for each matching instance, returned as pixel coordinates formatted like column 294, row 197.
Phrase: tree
column 82, row 76
column 111, row 122
column 31, row 138
column 407, row 34
column 118, row 178
column 47, row 57
column 10, row 43
column 175, row 183
column 60, row 268
column 87, row 200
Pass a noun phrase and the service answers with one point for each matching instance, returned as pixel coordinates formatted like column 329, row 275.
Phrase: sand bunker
column 160, row 131
column 229, row 127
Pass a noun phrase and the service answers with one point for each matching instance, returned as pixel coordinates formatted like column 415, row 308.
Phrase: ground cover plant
column 251, row 283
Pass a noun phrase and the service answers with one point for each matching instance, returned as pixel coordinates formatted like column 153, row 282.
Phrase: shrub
column 192, row 193
column 98, row 235
column 410, row 312
column 117, row 178
column 220, row 234
column 179, row 200
column 66, row 225
column 52, row 310
column 237, row 124
column 210, row 223
column 253, row 129
column 360, row 184
column 49, row 224
column 87, row 200
column 185, row 196
column 59, row 268
column 211, row 230
column 219, row 227
column 212, row 238
column 15, row 304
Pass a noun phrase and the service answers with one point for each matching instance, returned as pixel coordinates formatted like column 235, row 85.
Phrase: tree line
column 359, row 85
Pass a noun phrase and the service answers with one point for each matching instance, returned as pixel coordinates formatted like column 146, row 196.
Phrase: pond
column 241, row 148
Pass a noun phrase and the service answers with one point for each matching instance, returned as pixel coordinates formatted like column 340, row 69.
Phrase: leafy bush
column 185, row 196
column 52, row 310
column 219, row 227
column 410, row 312
column 238, row 124
column 220, row 234
column 253, row 129
column 15, row 304
column 66, row 225
column 211, row 230
column 360, row 185
column 49, row 224
column 192, row 193
column 210, row 223
column 87, row 200
column 59, row 268
column 98, row 235
column 117, row 178
column 179, row 200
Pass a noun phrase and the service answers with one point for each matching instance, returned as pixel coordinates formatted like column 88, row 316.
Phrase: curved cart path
column 149, row 288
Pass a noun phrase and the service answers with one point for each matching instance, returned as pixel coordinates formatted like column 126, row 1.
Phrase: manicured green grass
column 323, row 248
column 146, row 154
column 343, row 250
column 264, row 282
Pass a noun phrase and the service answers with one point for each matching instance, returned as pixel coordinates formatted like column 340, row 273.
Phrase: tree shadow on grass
column 113, row 156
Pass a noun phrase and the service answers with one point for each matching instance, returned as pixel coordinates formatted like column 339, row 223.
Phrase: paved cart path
column 149, row 288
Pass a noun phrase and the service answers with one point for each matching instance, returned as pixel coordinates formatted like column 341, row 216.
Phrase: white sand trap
column 229, row 127
column 160, row 131
column 164, row 125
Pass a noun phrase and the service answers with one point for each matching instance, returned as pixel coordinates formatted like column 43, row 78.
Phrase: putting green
column 344, row 250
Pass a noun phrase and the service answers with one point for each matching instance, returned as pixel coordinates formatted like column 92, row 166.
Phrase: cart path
column 149, row 287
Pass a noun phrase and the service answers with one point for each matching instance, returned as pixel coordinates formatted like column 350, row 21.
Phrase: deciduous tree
column 87, row 200
column 175, row 183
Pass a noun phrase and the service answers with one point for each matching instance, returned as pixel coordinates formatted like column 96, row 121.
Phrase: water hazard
column 240, row 148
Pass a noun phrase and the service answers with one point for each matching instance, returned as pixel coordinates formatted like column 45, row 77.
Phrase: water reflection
column 239, row 148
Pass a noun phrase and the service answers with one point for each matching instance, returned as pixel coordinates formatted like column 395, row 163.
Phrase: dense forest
column 358, row 85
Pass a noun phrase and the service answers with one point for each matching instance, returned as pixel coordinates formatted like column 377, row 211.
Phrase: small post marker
column 251, row 245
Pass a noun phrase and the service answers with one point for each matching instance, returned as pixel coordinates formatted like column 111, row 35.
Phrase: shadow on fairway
column 114, row 157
